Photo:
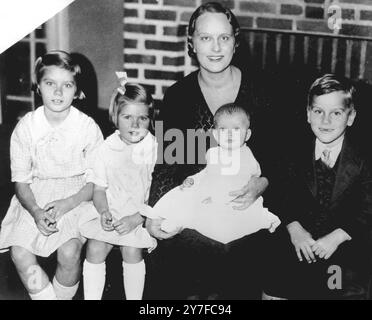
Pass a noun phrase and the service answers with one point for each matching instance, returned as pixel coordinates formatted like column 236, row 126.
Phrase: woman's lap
column 193, row 265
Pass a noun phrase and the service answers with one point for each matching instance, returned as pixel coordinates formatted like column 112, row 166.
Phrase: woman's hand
column 153, row 226
column 59, row 207
column 325, row 247
column 302, row 241
column 45, row 222
column 249, row 193
column 106, row 221
column 127, row 224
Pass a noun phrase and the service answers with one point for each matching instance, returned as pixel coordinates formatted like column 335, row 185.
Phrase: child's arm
column 356, row 223
column 302, row 241
column 136, row 216
column 21, row 145
column 93, row 138
column 327, row 245
column 62, row 206
column 153, row 226
column 101, row 204
column 44, row 222
column 128, row 223
column 352, row 225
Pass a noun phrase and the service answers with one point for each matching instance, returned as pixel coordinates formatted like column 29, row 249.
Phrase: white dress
column 126, row 172
column 55, row 162
column 206, row 206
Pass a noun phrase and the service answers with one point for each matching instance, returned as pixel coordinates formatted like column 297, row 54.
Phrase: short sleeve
column 93, row 139
column 20, row 154
column 97, row 171
column 145, row 153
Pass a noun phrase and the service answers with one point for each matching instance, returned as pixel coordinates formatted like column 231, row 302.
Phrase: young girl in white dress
column 203, row 203
column 50, row 150
column 122, row 176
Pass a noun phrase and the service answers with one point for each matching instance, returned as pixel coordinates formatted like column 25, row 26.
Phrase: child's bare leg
column 134, row 271
column 68, row 258
column 97, row 251
column 94, row 269
column 33, row 277
column 66, row 280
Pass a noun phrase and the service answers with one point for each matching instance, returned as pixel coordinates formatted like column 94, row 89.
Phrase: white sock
column 134, row 279
column 62, row 292
column 46, row 294
column 94, row 280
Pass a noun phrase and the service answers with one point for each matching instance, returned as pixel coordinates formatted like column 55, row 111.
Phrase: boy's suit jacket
column 351, row 202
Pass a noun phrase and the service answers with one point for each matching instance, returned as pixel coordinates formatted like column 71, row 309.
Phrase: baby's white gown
column 206, row 206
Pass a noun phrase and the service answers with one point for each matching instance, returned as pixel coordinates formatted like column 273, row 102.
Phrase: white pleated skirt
column 19, row 229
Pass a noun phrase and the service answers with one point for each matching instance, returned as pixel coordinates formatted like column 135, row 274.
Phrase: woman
column 190, row 104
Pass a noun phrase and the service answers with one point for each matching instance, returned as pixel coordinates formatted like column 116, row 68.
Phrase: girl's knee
column 21, row 256
column 70, row 252
column 131, row 255
column 97, row 251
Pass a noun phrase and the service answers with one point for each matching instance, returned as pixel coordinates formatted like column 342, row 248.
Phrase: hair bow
column 123, row 79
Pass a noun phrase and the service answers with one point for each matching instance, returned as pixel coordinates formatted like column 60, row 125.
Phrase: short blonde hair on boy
column 329, row 83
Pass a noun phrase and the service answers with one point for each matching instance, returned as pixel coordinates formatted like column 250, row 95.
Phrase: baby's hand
column 45, row 222
column 169, row 226
column 59, row 207
column 153, row 226
column 187, row 183
column 326, row 246
column 106, row 221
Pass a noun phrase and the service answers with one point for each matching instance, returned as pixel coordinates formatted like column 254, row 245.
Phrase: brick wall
column 155, row 51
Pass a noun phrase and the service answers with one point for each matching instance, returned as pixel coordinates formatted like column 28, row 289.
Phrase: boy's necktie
column 326, row 158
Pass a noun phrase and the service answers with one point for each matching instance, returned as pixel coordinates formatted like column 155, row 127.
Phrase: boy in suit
column 323, row 250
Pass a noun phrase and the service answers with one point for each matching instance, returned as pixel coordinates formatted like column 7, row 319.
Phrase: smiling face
column 133, row 122
column 329, row 117
column 57, row 88
column 232, row 130
column 213, row 42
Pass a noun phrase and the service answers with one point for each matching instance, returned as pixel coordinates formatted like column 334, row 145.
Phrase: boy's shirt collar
column 335, row 150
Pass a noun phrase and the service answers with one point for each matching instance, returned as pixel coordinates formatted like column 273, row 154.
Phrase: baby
column 203, row 203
